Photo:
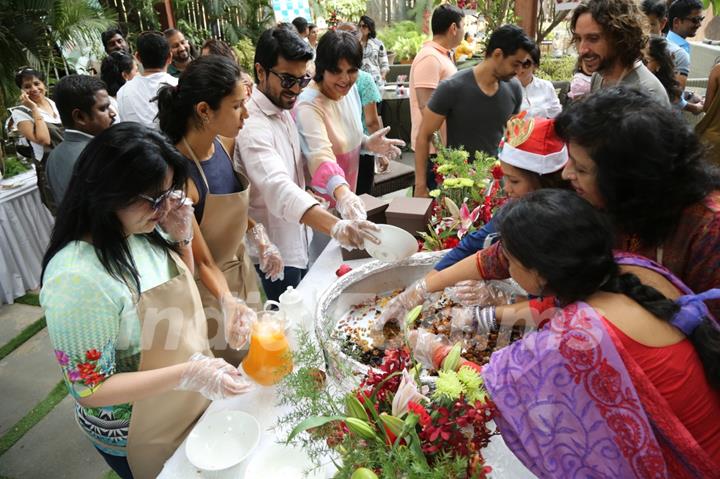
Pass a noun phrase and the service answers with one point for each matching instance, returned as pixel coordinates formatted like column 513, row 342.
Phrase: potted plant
column 402, row 40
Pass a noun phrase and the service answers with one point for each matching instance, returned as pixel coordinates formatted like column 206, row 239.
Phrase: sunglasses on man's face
column 526, row 64
column 696, row 20
column 288, row 81
column 157, row 203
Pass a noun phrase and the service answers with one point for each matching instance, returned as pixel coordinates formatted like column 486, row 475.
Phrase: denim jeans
column 273, row 289
column 119, row 464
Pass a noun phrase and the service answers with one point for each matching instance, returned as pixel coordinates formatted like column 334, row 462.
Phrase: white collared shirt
column 267, row 151
column 134, row 97
column 540, row 99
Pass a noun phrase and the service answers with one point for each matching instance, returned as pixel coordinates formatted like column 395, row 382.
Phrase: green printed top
column 94, row 327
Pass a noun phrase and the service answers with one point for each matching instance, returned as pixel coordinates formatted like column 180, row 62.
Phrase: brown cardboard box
column 375, row 209
column 410, row 214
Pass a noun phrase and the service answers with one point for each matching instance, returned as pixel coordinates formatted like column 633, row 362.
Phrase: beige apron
column 223, row 226
column 173, row 329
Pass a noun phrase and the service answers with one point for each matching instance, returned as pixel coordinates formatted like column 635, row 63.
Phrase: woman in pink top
column 328, row 117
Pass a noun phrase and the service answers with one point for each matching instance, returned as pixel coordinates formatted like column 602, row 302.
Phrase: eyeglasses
column 699, row 19
column 526, row 64
column 288, row 81
column 177, row 196
column 362, row 25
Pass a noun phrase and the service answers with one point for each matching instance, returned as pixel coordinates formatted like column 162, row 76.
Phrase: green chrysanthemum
column 472, row 384
column 448, row 386
column 443, row 169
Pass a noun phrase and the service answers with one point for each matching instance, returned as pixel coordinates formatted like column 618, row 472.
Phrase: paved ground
column 55, row 447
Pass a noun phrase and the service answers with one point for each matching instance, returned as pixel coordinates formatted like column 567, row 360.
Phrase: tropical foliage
column 496, row 13
column 403, row 38
column 715, row 6
column 557, row 69
column 36, row 32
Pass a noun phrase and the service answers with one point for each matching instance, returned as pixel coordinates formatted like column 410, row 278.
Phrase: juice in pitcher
column 269, row 358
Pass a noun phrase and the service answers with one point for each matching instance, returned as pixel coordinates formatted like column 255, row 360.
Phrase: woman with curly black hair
column 631, row 157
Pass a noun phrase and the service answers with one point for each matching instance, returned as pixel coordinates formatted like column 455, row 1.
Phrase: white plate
column 395, row 244
column 222, row 440
column 278, row 461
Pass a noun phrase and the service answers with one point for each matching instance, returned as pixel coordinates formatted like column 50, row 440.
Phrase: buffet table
column 262, row 401
column 25, row 227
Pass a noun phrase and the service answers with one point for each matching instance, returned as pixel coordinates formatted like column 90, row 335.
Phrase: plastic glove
column 387, row 147
column 425, row 346
column 177, row 221
column 462, row 322
column 381, row 164
column 351, row 234
column 271, row 262
column 472, row 320
column 238, row 319
column 351, row 207
column 214, row 378
column 472, row 292
column 397, row 309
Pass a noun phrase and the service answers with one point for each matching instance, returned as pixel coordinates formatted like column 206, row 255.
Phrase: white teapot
column 291, row 303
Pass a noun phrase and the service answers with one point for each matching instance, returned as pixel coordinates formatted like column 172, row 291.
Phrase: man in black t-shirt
column 476, row 103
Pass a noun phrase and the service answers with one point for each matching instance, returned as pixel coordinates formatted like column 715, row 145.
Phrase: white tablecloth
column 25, row 227
column 262, row 402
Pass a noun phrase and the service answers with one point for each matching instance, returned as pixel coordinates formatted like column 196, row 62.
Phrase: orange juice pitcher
column 269, row 358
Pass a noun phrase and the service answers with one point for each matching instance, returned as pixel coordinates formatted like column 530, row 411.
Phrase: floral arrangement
column 468, row 194
column 388, row 426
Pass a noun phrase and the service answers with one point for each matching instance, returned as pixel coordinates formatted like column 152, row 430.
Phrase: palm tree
column 35, row 32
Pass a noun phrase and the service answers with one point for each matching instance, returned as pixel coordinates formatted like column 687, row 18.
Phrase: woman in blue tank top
column 209, row 103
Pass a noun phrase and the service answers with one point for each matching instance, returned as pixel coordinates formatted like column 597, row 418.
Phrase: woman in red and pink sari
column 623, row 380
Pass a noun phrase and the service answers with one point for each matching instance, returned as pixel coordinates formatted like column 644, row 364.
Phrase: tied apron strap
column 693, row 310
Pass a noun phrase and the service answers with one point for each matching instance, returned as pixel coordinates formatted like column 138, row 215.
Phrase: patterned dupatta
column 573, row 403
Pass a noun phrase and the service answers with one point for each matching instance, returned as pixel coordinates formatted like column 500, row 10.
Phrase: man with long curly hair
column 609, row 37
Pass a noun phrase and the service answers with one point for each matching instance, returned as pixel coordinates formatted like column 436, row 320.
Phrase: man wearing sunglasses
column 267, row 151
column 684, row 17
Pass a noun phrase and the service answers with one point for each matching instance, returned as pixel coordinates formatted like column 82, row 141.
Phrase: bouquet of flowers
column 388, row 426
column 468, row 194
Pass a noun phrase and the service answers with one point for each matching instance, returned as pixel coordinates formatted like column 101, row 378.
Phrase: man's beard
column 277, row 100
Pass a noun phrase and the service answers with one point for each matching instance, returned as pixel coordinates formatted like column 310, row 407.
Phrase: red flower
column 92, row 355
column 420, row 411
column 89, row 375
column 497, row 171
column 395, row 360
column 450, row 242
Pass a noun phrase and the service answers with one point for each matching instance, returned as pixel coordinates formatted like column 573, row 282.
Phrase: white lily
column 407, row 391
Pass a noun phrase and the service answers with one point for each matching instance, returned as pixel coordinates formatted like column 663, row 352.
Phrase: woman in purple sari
column 624, row 379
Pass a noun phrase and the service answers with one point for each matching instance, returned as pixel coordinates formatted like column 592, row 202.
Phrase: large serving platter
column 361, row 285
